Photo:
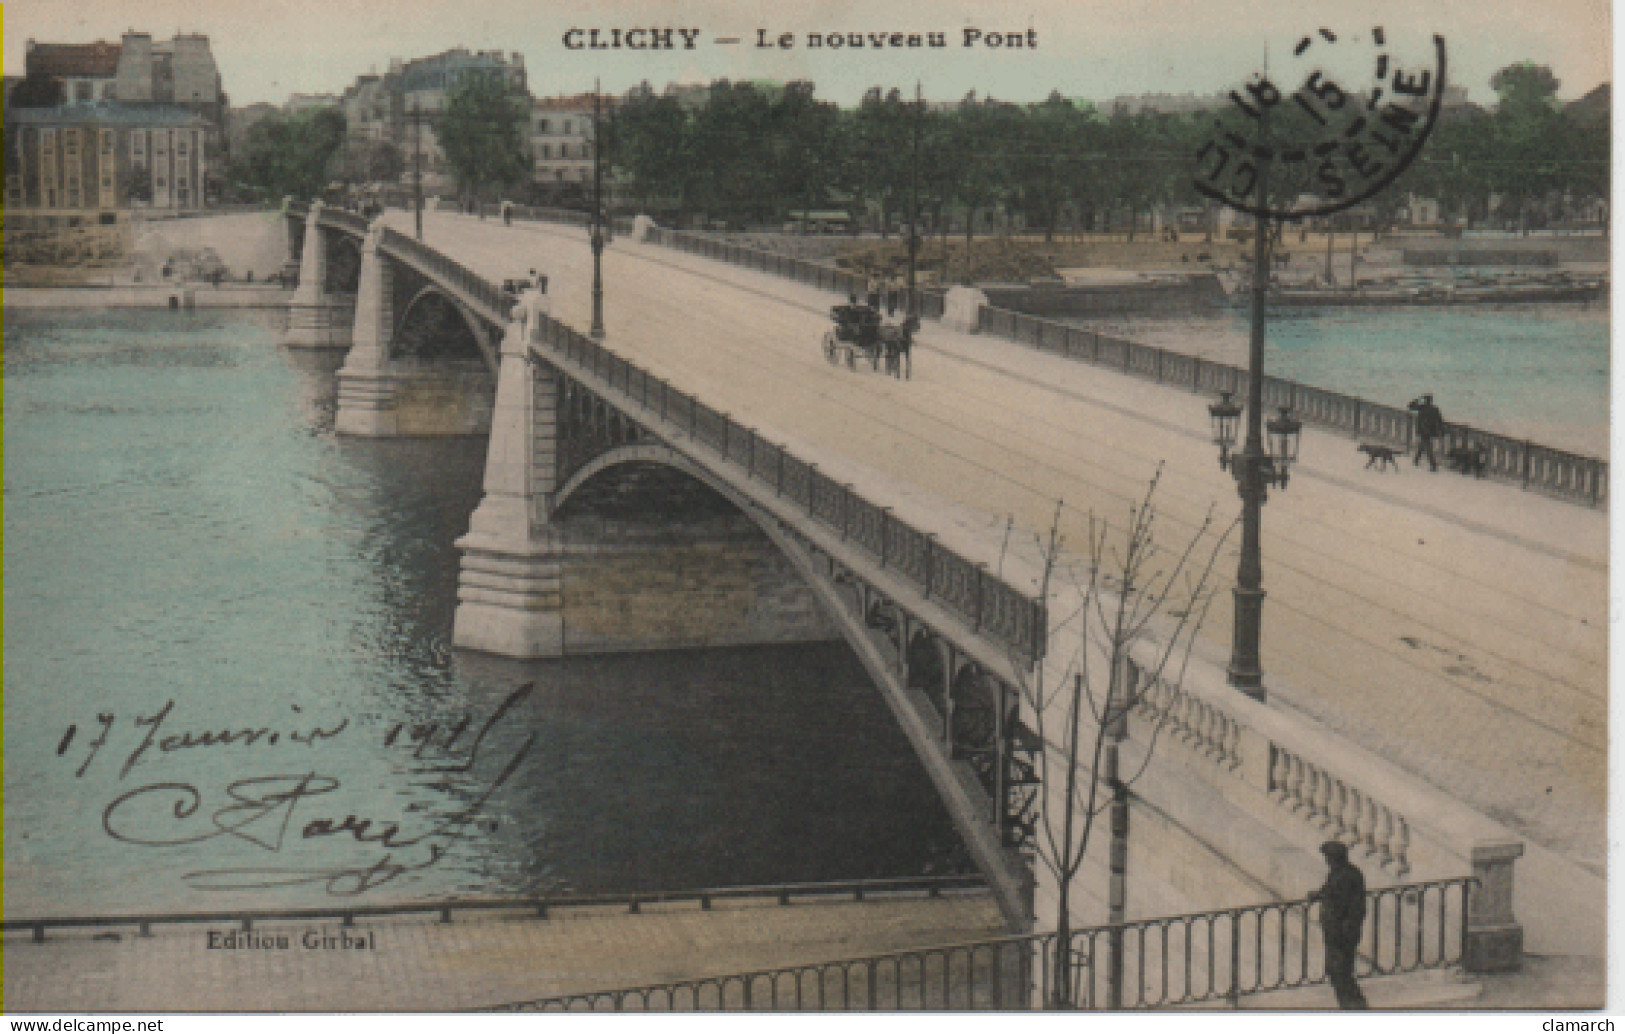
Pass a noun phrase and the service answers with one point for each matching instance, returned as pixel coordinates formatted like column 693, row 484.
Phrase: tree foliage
column 291, row 154
column 37, row 91
column 750, row 153
column 482, row 132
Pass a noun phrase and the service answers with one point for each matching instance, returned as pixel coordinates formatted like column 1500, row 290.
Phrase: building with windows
column 561, row 139
column 136, row 70
column 86, row 71
column 84, row 163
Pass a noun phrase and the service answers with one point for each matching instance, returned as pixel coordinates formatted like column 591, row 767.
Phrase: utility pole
column 417, row 165
column 597, row 331
column 1328, row 253
column 914, row 207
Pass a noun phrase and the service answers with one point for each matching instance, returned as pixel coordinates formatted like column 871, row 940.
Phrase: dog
column 1382, row 456
column 1468, row 460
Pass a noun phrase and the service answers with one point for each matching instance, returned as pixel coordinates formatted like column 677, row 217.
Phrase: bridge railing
column 538, row 905
column 1218, row 956
column 355, row 222
column 1319, row 786
column 495, row 303
column 1555, row 471
column 990, row 606
column 1558, row 472
column 815, row 274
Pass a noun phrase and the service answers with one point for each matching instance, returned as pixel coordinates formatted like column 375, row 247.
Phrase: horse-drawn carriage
column 861, row 333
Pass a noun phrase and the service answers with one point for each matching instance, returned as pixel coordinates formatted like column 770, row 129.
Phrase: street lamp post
column 1254, row 468
column 417, row 169
column 914, row 209
column 597, row 331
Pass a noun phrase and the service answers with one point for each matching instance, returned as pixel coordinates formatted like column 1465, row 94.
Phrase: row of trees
column 480, row 131
column 751, row 154
column 754, row 155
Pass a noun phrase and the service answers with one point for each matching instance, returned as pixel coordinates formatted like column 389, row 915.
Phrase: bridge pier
column 383, row 392
column 604, row 576
column 315, row 318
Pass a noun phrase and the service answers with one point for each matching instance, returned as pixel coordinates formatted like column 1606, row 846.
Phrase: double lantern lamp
column 1284, row 431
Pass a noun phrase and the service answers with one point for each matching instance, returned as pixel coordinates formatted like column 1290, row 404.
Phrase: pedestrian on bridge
column 1342, row 918
column 1429, row 425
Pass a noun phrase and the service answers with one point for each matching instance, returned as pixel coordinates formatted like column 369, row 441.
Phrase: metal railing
column 1217, row 956
column 1533, row 466
column 988, row 605
column 496, row 304
column 538, row 906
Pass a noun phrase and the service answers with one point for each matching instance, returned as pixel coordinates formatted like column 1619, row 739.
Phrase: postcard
column 706, row 506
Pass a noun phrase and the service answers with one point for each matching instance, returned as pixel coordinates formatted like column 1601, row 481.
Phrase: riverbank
column 154, row 296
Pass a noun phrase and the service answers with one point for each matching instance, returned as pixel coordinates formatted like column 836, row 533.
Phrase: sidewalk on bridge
column 421, row 966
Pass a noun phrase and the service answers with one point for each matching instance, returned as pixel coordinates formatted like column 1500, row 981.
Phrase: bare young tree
column 1132, row 596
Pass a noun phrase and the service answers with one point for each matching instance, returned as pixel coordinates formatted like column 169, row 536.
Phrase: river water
column 1530, row 371
column 228, row 677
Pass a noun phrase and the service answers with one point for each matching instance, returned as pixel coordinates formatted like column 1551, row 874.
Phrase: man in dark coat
column 1342, row 917
column 1429, row 425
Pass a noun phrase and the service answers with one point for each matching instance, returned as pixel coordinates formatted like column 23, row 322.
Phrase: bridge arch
column 343, row 274
column 433, row 326
column 923, row 655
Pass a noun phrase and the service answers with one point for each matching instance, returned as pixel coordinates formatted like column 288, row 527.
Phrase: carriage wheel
column 829, row 346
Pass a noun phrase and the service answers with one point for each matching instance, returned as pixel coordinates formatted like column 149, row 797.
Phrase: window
column 159, row 182
column 566, row 128
column 541, row 125
column 180, row 148
column 547, row 150
column 83, row 91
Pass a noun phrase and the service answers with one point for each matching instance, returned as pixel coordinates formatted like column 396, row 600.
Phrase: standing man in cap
column 1429, row 425
column 1342, row 917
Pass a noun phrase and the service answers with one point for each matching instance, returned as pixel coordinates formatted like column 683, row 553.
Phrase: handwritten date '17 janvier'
column 156, row 735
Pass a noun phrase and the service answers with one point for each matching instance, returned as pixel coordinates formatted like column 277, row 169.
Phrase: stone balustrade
column 1313, row 786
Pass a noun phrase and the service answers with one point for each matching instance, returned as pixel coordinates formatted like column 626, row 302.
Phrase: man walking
column 1429, row 425
column 1342, row 917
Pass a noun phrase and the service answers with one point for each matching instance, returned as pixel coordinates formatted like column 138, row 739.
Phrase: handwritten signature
column 265, row 811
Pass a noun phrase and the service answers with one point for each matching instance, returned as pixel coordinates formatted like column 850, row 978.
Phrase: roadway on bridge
column 1456, row 627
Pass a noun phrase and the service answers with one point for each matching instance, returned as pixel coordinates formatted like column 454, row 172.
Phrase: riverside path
column 1448, row 625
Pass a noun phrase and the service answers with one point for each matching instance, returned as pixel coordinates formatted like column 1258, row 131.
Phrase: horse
column 897, row 340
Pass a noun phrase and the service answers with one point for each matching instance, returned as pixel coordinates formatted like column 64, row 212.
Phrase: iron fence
column 538, row 906
column 1204, row 957
column 1533, row 466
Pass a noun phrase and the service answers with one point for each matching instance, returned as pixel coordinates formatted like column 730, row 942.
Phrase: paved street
column 419, row 966
column 1456, row 627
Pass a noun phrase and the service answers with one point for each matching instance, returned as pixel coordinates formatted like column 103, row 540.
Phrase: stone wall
column 636, row 586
